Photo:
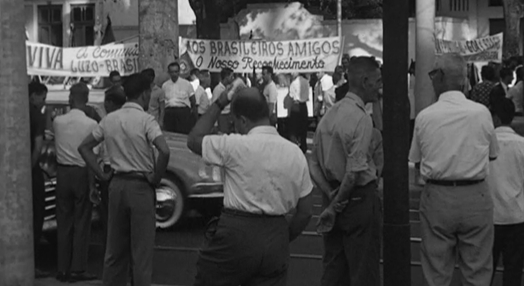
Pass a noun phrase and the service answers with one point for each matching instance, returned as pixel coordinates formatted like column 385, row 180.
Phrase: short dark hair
column 251, row 104
column 150, row 74
column 135, row 85
column 225, row 72
column 487, row 72
column 269, row 69
column 505, row 72
column 116, row 95
column 173, row 64
column 113, row 73
column 36, row 87
column 194, row 72
column 505, row 111
column 80, row 92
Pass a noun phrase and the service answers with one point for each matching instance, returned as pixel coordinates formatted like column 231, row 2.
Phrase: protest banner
column 90, row 61
column 311, row 55
column 479, row 50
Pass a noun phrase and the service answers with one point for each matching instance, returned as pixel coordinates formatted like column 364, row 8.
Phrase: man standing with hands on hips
column 265, row 177
column 129, row 133
column 454, row 140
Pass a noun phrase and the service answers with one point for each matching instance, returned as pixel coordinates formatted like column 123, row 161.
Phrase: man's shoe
column 41, row 274
column 81, row 276
column 62, row 276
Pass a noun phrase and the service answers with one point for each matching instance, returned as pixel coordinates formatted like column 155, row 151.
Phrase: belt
column 131, row 175
column 457, row 183
column 246, row 214
column 69, row 166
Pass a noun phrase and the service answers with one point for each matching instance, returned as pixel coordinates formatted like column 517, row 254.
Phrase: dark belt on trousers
column 457, row 183
column 246, row 214
column 131, row 175
column 69, row 166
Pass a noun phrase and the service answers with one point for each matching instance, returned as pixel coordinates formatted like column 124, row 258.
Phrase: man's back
column 505, row 177
column 455, row 137
column 264, row 172
column 129, row 133
column 70, row 130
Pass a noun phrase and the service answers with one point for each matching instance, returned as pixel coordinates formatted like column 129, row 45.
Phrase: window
column 50, row 25
column 495, row 3
column 82, row 24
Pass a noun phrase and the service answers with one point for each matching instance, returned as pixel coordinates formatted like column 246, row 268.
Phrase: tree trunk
column 207, row 18
column 158, row 26
column 513, row 11
column 16, row 212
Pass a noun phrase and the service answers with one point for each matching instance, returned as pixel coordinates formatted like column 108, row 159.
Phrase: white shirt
column 299, row 89
column 326, row 82
column 219, row 89
column 506, row 178
column 209, row 94
column 516, row 95
column 271, row 93
column 178, row 93
column 195, row 84
column 454, row 139
column 70, row 130
column 264, row 173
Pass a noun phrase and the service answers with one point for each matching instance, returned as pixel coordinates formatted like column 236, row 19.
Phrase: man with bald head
column 266, row 176
column 342, row 168
column 73, row 206
column 453, row 141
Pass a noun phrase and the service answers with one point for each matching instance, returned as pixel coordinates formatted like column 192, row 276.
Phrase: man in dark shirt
column 37, row 96
column 480, row 93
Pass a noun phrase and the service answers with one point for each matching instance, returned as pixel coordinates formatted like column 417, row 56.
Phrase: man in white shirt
column 507, row 190
column 454, row 140
column 194, row 78
column 157, row 105
column 181, row 109
column 516, row 93
column 225, row 120
column 265, row 177
column 270, row 92
column 298, row 114
column 202, row 100
column 73, row 206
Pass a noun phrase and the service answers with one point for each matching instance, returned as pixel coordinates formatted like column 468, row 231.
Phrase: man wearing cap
column 265, row 177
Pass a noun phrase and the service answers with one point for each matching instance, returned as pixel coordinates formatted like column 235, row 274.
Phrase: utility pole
column 158, row 40
column 425, row 53
column 339, row 18
column 396, row 141
column 16, row 212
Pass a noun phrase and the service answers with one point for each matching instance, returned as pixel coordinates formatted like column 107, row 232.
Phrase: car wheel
column 170, row 204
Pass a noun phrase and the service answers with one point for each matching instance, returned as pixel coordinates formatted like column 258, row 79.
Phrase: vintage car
column 188, row 183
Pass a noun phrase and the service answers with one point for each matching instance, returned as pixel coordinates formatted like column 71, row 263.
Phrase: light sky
column 186, row 16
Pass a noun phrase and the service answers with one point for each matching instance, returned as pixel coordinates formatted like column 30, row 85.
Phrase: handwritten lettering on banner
column 478, row 50
column 90, row 61
column 242, row 56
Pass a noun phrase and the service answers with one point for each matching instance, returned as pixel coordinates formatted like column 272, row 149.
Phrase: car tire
column 170, row 203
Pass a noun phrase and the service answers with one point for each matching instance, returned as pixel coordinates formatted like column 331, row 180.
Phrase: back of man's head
column 505, row 111
column 454, row 70
column 505, row 73
column 487, row 73
column 225, row 73
column 79, row 93
column 360, row 67
column 37, row 88
column 251, row 104
column 116, row 95
column 194, row 73
column 136, row 85
column 150, row 74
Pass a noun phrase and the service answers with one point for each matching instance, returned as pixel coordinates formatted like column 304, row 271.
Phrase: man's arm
column 86, row 151
column 37, row 149
column 302, row 216
column 162, row 160
column 205, row 124
column 161, row 108
column 318, row 176
column 194, row 106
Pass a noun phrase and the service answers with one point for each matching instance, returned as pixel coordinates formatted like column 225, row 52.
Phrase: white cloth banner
column 90, row 61
column 478, row 50
column 311, row 55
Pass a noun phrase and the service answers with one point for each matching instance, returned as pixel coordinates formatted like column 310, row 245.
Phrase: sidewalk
column 53, row 282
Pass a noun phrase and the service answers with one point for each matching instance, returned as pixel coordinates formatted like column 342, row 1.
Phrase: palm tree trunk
column 16, row 238
column 158, row 40
column 513, row 11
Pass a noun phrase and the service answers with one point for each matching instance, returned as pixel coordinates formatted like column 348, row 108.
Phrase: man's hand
column 326, row 220
column 153, row 179
column 105, row 177
column 94, row 195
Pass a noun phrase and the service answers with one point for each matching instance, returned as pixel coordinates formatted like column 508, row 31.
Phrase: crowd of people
column 466, row 151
